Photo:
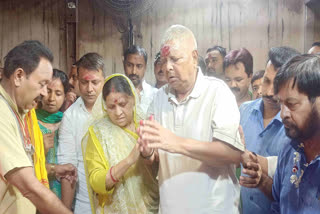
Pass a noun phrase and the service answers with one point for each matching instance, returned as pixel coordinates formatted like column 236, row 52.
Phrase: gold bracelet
column 52, row 170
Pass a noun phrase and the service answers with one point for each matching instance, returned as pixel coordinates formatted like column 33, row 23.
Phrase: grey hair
column 178, row 32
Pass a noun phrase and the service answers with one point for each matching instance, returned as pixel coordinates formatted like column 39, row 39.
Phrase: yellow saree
column 105, row 145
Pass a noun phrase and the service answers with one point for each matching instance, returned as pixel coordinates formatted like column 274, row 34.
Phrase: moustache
column 211, row 70
column 133, row 76
column 235, row 89
column 270, row 98
column 287, row 123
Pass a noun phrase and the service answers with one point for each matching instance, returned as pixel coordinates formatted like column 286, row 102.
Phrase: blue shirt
column 263, row 141
column 292, row 196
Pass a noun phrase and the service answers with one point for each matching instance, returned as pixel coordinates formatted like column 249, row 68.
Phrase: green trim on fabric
column 47, row 117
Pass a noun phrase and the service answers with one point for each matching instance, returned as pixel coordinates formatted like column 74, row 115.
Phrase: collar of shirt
column 145, row 87
column 195, row 93
column 82, row 105
column 258, row 107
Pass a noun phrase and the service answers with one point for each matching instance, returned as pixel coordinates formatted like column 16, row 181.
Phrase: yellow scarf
column 39, row 158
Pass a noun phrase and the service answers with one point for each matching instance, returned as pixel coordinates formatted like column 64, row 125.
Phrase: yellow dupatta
column 39, row 158
column 106, row 144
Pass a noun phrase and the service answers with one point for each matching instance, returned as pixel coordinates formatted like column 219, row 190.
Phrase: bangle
column 149, row 156
column 52, row 170
column 114, row 180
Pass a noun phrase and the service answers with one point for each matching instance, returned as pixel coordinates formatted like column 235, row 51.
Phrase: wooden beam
column 71, row 32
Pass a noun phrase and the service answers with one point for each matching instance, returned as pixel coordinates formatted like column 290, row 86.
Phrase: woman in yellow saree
column 119, row 180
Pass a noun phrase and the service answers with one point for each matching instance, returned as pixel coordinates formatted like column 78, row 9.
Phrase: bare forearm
column 265, row 185
column 29, row 186
column 118, row 171
column 214, row 153
column 46, row 201
column 67, row 192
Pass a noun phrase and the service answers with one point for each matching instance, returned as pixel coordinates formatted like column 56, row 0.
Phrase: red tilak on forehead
column 115, row 101
column 88, row 77
column 112, row 89
column 165, row 51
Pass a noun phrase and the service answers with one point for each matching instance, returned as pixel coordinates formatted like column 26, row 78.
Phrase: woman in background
column 49, row 118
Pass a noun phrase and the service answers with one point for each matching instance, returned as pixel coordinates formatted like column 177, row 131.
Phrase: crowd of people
column 211, row 136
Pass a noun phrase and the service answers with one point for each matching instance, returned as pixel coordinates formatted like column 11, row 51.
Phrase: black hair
column 257, row 75
column 221, row 50
column 280, row 55
column 135, row 49
column 240, row 55
column 305, row 72
column 315, row 44
column 157, row 58
column 119, row 84
column 91, row 61
column 57, row 74
column 27, row 56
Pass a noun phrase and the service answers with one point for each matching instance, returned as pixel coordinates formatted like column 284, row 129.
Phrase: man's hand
column 67, row 171
column 153, row 136
column 71, row 97
column 252, row 168
column 29, row 186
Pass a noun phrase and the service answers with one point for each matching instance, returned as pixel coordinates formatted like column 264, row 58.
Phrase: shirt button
column 251, row 198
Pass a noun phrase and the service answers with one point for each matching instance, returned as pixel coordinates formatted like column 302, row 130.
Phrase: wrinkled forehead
column 175, row 47
column 89, row 75
column 168, row 47
column 115, row 97
column 213, row 54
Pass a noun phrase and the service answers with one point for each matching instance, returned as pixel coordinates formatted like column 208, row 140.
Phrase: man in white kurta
column 74, row 125
column 72, row 129
column 135, row 65
column 196, row 134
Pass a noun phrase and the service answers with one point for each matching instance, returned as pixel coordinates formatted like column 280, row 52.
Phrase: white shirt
column 71, row 131
column 272, row 165
column 188, row 185
column 146, row 96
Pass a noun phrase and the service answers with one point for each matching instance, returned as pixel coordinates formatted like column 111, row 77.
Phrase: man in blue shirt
column 262, row 126
column 296, row 184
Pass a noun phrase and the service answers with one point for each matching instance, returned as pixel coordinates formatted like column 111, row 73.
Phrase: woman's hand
column 67, row 171
column 134, row 155
column 48, row 141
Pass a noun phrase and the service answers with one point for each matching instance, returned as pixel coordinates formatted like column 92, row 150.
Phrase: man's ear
column 18, row 76
column 195, row 57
